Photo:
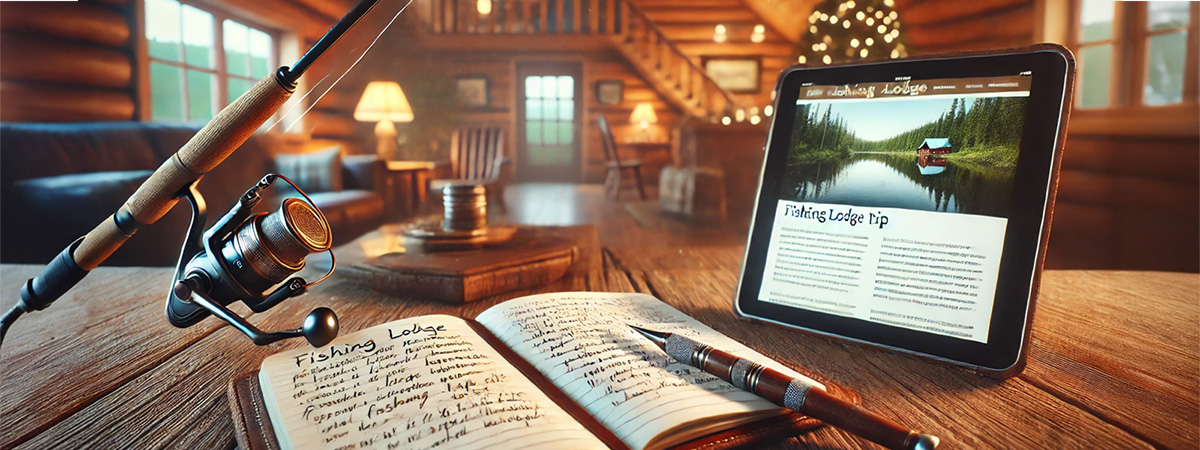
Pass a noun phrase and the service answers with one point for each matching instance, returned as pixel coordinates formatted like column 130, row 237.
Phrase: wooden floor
column 620, row 231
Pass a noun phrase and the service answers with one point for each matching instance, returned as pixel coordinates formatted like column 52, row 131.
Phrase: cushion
column 43, row 215
column 319, row 171
column 35, row 150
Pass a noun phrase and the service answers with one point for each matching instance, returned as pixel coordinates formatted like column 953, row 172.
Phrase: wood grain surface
column 1113, row 363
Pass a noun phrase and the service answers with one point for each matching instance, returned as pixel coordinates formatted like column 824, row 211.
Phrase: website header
column 939, row 86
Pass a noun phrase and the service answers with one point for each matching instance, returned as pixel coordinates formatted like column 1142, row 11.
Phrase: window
column 1134, row 53
column 200, row 61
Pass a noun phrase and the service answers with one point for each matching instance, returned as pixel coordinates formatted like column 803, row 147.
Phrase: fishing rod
column 176, row 178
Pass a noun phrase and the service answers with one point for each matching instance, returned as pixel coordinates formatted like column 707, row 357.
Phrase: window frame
column 1126, row 114
column 219, row 69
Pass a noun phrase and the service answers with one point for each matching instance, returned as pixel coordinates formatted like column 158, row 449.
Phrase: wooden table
column 1113, row 363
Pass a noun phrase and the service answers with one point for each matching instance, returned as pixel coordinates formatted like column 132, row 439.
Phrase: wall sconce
column 384, row 102
column 719, row 34
column 759, row 34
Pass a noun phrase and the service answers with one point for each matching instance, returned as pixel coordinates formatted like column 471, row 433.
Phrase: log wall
column 67, row 62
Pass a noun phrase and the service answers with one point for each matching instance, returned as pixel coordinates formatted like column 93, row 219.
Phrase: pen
column 793, row 393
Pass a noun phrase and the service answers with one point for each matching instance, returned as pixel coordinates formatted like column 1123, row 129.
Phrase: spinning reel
column 245, row 254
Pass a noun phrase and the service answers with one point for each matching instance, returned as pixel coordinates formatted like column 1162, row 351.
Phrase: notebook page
column 414, row 383
column 581, row 342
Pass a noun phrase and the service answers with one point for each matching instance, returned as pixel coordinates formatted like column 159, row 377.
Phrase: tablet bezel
column 1025, row 235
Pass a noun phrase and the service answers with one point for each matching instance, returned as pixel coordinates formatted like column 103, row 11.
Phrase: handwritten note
column 418, row 383
column 582, row 343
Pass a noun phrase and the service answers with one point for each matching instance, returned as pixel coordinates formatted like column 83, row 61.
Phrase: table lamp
column 384, row 102
column 643, row 115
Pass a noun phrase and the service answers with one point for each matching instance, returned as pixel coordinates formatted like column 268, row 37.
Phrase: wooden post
column 560, row 13
column 545, row 16
column 594, row 15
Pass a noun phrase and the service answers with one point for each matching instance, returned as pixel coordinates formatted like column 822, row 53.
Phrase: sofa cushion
column 102, row 192
column 43, row 215
column 35, row 150
column 319, row 171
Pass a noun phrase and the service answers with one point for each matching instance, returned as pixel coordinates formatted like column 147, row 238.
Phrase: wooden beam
column 699, row 15
column 72, row 21
column 941, row 12
column 1012, row 23
column 37, row 58
column 334, row 9
column 279, row 14
column 697, row 48
column 534, row 42
column 26, row 102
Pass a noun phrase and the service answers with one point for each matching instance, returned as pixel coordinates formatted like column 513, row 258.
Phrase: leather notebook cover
column 253, row 430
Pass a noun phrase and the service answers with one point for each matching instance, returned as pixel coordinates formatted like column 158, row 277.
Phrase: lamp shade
column 643, row 114
column 383, row 100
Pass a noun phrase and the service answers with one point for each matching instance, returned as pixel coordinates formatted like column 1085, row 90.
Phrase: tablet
column 906, row 204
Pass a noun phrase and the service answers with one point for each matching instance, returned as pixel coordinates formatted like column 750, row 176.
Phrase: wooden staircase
column 668, row 41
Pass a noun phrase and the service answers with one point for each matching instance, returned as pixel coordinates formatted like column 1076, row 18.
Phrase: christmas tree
column 851, row 30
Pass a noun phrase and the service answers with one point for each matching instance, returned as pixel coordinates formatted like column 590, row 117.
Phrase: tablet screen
column 894, row 201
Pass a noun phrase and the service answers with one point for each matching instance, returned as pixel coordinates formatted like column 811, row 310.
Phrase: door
column 548, row 122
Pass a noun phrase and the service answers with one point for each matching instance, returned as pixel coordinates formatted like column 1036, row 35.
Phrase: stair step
column 662, row 16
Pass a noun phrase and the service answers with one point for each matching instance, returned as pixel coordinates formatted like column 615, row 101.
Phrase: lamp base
column 385, row 135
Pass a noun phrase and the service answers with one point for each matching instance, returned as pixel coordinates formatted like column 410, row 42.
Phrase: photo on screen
column 941, row 154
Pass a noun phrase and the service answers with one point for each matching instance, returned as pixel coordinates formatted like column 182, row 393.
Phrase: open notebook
column 554, row 371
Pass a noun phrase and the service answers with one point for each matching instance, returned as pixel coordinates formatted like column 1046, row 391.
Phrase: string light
column 740, row 115
column 754, row 120
column 768, row 110
column 719, row 35
column 845, row 30
column 726, row 120
column 484, row 7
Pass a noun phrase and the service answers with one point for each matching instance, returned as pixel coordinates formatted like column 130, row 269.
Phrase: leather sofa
column 57, row 181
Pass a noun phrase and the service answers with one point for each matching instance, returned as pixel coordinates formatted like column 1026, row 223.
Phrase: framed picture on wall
column 735, row 73
column 472, row 91
column 610, row 92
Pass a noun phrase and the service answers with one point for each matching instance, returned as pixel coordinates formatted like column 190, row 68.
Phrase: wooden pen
column 796, row 394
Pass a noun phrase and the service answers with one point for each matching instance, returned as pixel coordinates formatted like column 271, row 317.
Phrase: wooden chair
column 477, row 154
column 616, row 167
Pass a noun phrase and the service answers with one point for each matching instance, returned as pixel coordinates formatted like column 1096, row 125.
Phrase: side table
column 403, row 201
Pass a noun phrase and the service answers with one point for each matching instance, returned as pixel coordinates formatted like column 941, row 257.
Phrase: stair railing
column 691, row 81
column 593, row 17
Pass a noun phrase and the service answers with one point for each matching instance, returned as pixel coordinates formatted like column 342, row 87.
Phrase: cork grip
column 211, row 145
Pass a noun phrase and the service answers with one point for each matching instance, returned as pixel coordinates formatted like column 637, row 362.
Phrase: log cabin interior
column 543, row 70
column 631, row 134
